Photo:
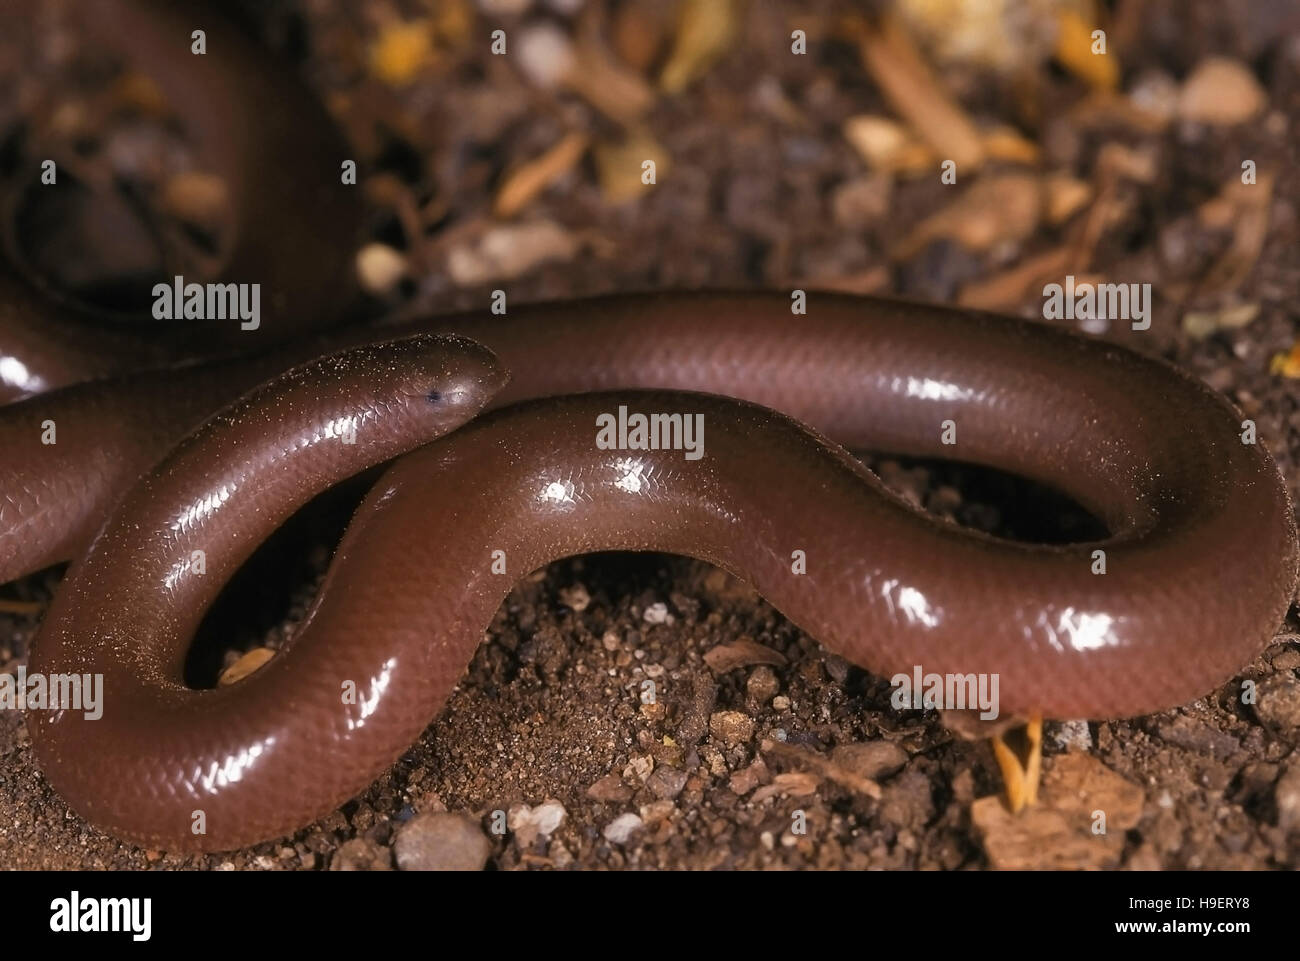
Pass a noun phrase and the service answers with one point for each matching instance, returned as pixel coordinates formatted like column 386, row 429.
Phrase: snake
column 174, row 463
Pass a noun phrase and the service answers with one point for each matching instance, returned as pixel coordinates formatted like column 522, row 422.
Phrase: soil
column 756, row 732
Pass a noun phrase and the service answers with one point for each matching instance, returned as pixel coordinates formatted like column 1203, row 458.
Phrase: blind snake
column 1201, row 557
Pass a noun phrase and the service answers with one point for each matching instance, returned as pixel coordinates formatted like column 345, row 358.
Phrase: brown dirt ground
column 549, row 707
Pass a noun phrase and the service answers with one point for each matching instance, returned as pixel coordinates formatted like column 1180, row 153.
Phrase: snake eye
column 433, row 396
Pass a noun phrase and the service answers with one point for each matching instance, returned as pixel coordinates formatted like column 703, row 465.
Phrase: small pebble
column 731, row 727
column 762, row 684
column 1286, row 661
column 1200, row 737
column 529, row 823
column 575, row 598
column 907, row 800
column 870, row 759
column 361, row 855
column 1157, row 93
column 1277, row 702
column 545, row 55
column 379, row 268
column 1286, row 796
column 639, row 768
column 196, row 198
column 657, row 613
column 506, row 251
column 837, row 668
column 1072, row 736
column 861, row 202
column 1221, row 92
column 666, row 782
column 610, row 788
column 744, row 781
column 619, row 830
column 442, row 841
column 656, row 812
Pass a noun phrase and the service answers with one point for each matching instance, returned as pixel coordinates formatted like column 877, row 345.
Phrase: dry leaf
column 615, row 91
column 246, row 665
column 1202, row 323
column 524, row 184
column 21, row 608
column 1004, row 143
column 791, row 784
column 620, row 166
column 887, row 145
column 402, row 49
column 872, row 280
column 453, row 21
column 912, row 89
column 993, row 211
column 1252, row 203
column 638, row 34
column 1288, row 365
column 196, row 198
column 1107, row 108
column 1217, row 213
column 1012, row 287
column 704, row 31
column 823, row 767
column 1140, row 165
column 138, row 91
column 742, row 652
column 1074, row 52
column 1066, row 196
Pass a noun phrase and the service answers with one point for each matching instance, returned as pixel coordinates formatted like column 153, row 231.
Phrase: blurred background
column 818, row 168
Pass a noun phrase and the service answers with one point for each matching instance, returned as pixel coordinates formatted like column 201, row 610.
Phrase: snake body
column 155, row 468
